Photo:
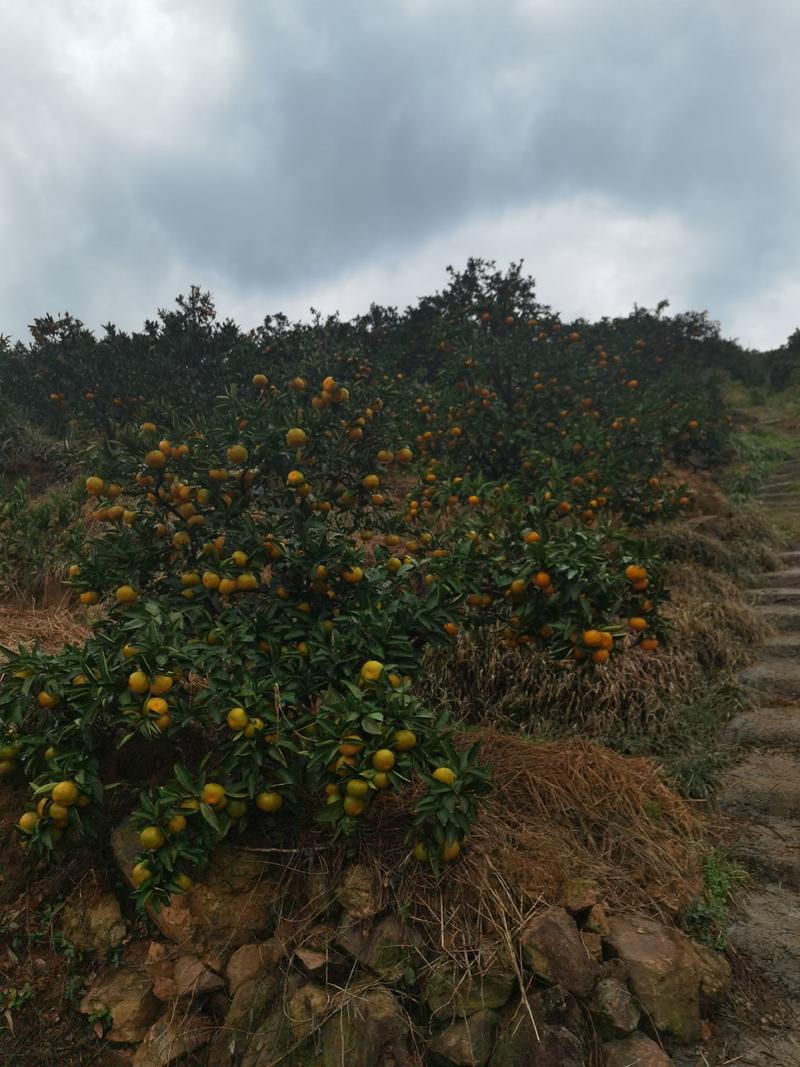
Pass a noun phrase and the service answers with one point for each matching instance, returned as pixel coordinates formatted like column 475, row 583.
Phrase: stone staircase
column 761, row 794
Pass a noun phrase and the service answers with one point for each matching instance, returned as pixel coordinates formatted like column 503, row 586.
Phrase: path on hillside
column 761, row 794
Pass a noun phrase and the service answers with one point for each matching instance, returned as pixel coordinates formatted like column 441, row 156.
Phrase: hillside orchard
column 278, row 524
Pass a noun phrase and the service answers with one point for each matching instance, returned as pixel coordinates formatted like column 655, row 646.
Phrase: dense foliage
column 282, row 521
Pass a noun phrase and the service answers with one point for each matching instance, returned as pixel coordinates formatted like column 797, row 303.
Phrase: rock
column 306, row 1009
column 593, row 943
column 318, row 956
column 92, row 921
column 552, row 948
column 393, row 944
column 232, row 905
column 612, row 1008
column 318, row 893
column 466, row 1043
column 174, row 920
column 615, row 968
column 160, row 966
column 249, row 961
column 252, row 1002
column 370, row 1030
column 267, row 1045
column 354, row 936
column 596, row 921
column 384, row 947
column 519, row 1046
column 715, row 976
column 449, row 992
column 359, row 893
column 635, row 1050
column 171, row 1037
column 556, row 1007
column 663, row 971
column 578, row 894
column 193, row 978
column 127, row 995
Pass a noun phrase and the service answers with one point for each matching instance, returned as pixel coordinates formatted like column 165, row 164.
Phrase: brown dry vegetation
column 713, row 629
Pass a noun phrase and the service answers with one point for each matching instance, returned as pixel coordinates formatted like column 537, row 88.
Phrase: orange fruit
column 269, row 802
column 404, row 740
column 296, row 437
column 371, row 670
column 237, row 718
column 66, row 793
column 213, row 794
column 152, row 837
column 383, row 759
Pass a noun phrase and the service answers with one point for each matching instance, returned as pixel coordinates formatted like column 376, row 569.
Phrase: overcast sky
column 310, row 152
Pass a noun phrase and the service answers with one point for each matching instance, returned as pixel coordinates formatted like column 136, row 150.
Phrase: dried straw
column 50, row 628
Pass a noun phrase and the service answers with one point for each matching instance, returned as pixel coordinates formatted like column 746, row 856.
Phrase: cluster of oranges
column 267, row 579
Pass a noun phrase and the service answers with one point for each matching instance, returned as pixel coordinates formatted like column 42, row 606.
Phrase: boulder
column 171, row 1037
column 307, row 1009
column 249, row 961
column 612, row 1008
column 715, row 976
column 232, row 905
column 578, row 895
column 384, row 947
column 174, row 920
column 127, row 995
column 319, row 957
column 635, row 1050
column 92, row 921
column 552, row 948
column 466, row 1043
column 593, row 943
column 518, row 1045
column 193, row 979
column 359, row 893
column 268, row 1045
column 450, row 992
column 252, row 1002
column 663, row 973
column 160, row 966
column 596, row 922
column 370, row 1030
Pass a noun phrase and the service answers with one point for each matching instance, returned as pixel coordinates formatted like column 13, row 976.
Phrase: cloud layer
column 289, row 154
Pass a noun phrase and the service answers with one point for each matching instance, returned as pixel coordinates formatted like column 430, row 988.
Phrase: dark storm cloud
column 276, row 150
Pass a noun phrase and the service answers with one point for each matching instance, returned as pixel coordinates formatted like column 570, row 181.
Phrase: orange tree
column 268, row 585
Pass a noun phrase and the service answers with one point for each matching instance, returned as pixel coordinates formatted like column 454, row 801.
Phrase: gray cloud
column 290, row 153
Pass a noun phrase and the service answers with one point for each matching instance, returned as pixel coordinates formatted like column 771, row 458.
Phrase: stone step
column 778, row 677
column 778, row 500
column 791, row 557
column 785, row 617
column 771, row 849
column 783, row 594
column 782, row 646
column 766, row 932
column 778, row 579
column 774, row 726
column 766, row 782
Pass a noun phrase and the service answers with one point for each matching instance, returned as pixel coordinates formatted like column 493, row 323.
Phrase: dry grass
column 741, row 542
column 713, row 628
column 50, row 628
column 560, row 810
